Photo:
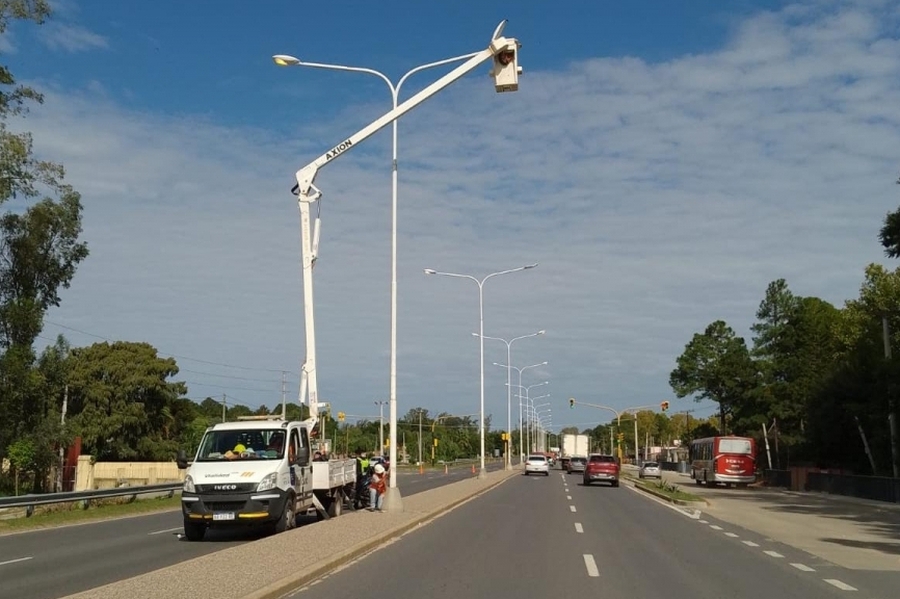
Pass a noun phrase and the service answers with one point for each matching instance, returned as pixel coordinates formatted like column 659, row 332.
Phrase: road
column 552, row 537
column 51, row 563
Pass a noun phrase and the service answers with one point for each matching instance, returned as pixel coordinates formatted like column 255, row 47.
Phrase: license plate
column 224, row 516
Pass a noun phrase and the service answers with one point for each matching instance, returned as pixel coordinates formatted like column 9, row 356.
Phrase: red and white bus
column 729, row 460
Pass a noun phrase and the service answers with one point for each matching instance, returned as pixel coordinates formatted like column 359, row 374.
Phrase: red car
column 603, row 468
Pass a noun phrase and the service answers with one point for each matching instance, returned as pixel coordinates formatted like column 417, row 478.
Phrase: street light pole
column 380, row 405
column 482, row 473
column 508, row 457
column 392, row 499
column 521, row 429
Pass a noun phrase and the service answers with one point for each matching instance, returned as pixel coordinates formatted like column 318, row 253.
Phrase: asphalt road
column 552, row 537
column 51, row 563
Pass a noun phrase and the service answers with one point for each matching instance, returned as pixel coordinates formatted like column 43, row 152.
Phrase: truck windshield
column 252, row 444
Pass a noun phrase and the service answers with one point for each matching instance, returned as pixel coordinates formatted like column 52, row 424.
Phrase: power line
column 62, row 326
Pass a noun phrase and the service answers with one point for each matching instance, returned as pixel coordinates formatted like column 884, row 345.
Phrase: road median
column 273, row 566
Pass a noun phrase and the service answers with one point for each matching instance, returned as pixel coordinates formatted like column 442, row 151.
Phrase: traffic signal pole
column 663, row 406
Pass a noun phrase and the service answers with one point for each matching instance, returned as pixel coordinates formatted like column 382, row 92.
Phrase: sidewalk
column 854, row 533
column 280, row 563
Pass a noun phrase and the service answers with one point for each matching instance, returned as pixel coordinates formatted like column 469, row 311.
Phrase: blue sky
column 662, row 161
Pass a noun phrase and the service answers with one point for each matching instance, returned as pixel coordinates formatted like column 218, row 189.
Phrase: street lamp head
column 430, row 271
column 285, row 60
column 530, row 265
column 541, row 332
column 477, row 335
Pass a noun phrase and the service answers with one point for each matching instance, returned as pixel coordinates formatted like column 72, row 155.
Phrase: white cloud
column 657, row 198
column 70, row 38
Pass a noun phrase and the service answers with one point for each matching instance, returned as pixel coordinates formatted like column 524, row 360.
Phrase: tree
column 39, row 247
column 890, row 233
column 123, row 401
column 22, row 458
column 715, row 365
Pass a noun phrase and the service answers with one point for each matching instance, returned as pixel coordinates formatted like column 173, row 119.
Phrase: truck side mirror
column 181, row 460
column 303, row 456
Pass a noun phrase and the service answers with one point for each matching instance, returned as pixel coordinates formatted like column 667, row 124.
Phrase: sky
column 662, row 162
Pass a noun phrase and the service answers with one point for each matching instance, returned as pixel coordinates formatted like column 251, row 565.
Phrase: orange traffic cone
column 473, row 468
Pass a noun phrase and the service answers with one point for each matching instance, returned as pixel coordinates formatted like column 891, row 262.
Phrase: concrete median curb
column 298, row 579
column 681, row 502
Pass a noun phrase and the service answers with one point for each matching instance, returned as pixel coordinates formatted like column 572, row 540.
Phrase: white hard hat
column 379, row 469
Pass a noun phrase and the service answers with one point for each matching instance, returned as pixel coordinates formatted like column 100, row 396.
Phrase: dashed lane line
column 578, row 527
column 715, row 527
column 571, row 508
column 841, row 585
column 771, row 553
column 569, row 497
column 15, row 561
column 803, row 568
column 750, row 543
column 162, row 532
column 591, row 565
column 731, row 534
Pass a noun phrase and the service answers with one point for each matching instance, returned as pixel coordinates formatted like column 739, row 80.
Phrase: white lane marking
column 841, row 585
column 162, row 532
column 803, row 567
column 750, row 543
column 693, row 514
column 773, row 553
column 578, row 527
column 15, row 561
column 591, row 565
column 569, row 497
column 571, row 508
column 704, row 521
column 715, row 527
column 731, row 534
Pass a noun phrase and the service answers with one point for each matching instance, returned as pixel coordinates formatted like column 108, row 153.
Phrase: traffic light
column 664, row 405
column 571, row 403
column 506, row 69
column 341, row 416
column 435, row 442
column 621, row 437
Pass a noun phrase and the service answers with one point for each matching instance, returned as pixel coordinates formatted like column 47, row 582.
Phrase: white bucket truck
column 259, row 473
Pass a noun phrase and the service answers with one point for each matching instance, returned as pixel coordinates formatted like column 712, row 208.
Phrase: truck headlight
column 268, row 482
column 189, row 485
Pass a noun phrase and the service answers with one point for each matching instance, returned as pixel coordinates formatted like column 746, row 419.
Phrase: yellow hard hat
column 239, row 448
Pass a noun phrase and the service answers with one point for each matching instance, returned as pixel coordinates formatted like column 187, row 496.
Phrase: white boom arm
column 306, row 193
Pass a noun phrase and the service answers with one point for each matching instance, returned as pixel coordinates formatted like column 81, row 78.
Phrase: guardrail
column 29, row 501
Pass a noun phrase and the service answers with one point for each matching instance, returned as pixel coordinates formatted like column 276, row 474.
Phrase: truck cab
column 248, row 473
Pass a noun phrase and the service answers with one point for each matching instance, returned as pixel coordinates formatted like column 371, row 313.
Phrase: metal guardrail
column 878, row 488
column 29, row 501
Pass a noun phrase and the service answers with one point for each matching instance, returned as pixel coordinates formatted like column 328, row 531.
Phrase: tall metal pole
column 508, row 460
column 420, row 436
column 521, row 424
column 482, row 473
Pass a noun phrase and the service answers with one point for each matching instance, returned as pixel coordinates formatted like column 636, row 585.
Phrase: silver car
column 650, row 470
column 537, row 464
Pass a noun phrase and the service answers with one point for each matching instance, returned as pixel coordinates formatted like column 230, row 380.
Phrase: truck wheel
column 194, row 531
column 615, row 483
column 288, row 517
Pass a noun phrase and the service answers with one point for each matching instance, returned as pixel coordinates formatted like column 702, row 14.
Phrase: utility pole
column 866, row 446
column 62, row 451
column 892, row 400
column 283, row 400
column 223, row 407
column 420, row 436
